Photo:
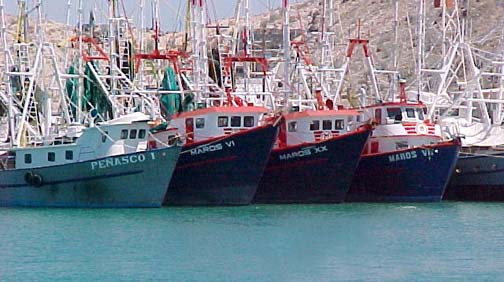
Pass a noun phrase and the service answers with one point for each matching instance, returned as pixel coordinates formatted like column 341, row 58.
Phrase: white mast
column 420, row 45
column 112, row 48
column 247, row 29
column 286, row 50
column 78, row 112
column 396, row 42
column 142, row 42
column 6, row 77
column 200, row 57
column 67, row 29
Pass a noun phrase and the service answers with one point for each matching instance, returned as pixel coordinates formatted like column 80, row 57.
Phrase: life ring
column 36, row 180
column 421, row 129
column 33, row 179
column 28, row 177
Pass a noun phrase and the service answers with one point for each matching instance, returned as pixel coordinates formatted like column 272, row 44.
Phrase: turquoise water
column 347, row 242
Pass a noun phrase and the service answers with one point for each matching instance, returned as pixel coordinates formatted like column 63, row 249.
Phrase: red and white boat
column 406, row 158
column 314, row 159
column 224, row 154
column 318, row 147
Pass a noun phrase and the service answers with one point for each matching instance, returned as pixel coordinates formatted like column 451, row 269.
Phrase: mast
column 142, row 42
column 46, row 98
column 156, row 26
column 393, row 82
column 286, row 47
column 10, row 114
column 396, row 31
column 247, row 33
column 78, row 112
column 112, row 49
column 498, row 115
column 67, row 28
column 22, row 25
column 247, row 30
column 420, row 45
column 443, row 24
column 200, row 57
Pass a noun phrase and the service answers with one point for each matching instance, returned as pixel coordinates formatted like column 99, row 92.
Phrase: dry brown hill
column 376, row 17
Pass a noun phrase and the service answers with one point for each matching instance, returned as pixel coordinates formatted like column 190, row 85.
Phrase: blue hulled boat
column 314, row 159
column 478, row 176
column 406, row 159
column 224, row 155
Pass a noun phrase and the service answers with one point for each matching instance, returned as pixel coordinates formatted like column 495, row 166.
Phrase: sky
column 171, row 11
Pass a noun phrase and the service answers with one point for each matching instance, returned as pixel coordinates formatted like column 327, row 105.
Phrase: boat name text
column 411, row 155
column 212, row 148
column 118, row 161
column 303, row 152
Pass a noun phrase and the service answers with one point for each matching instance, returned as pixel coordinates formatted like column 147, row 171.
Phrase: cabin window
column 172, row 139
column 315, row 125
column 200, row 122
column 394, row 114
column 124, row 134
column 28, row 158
column 401, row 145
column 235, row 121
column 248, row 121
column 51, row 156
column 326, row 125
column 410, row 112
column 420, row 114
column 133, row 134
column 222, row 121
column 339, row 124
column 68, row 155
column 292, row 126
column 377, row 114
column 104, row 136
column 141, row 133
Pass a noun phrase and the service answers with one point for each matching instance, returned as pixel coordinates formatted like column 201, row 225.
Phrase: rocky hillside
column 376, row 24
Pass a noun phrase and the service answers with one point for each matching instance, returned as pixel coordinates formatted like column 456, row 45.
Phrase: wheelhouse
column 313, row 126
column 397, row 113
column 202, row 124
column 123, row 135
column 400, row 126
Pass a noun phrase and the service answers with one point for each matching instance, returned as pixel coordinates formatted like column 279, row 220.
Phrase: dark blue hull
column 412, row 175
column 477, row 178
column 312, row 173
column 222, row 171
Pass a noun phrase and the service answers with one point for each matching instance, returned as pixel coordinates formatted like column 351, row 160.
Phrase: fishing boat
column 406, row 159
column 478, row 176
column 105, row 166
column 314, row 159
column 319, row 145
column 225, row 150
column 226, row 139
column 79, row 155
column 464, row 91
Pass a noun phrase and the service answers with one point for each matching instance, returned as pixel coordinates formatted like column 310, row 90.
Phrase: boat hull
column 222, row 171
column 124, row 181
column 413, row 175
column 318, row 172
column 477, row 178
